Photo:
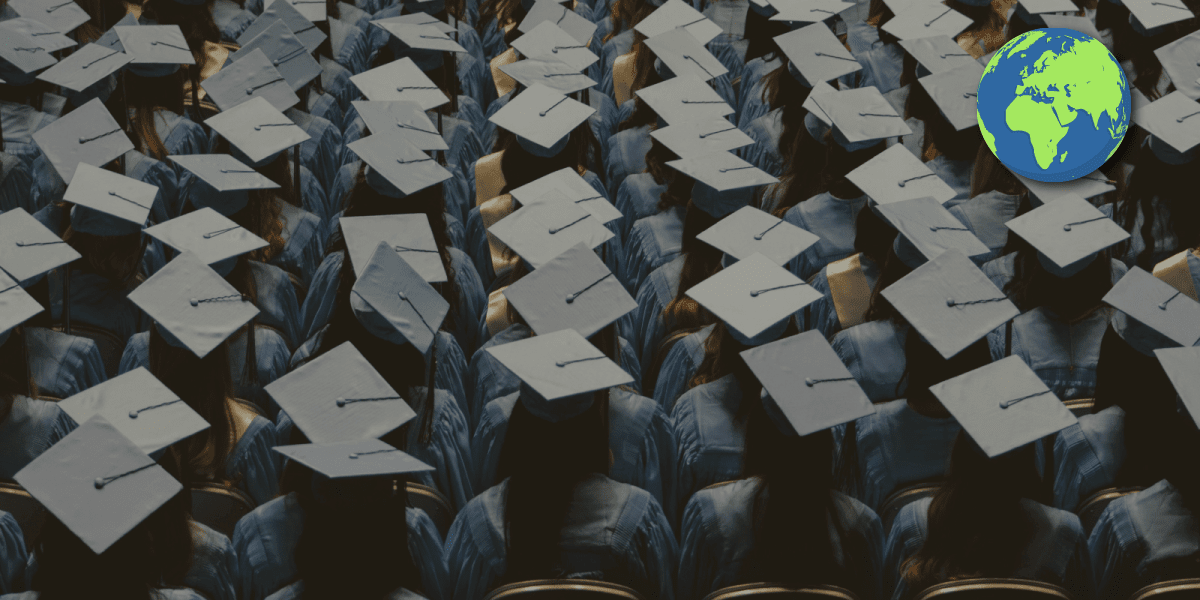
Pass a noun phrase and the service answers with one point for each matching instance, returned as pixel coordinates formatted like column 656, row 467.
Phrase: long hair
column 941, row 137
column 1068, row 297
column 520, row 167
column 645, row 75
column 500, row 12
column 1157, row 193
column 145, row 96
column 198, row 27
column 874, row 238
column 700, row 262
column 626, row 14
column 990, row 175
column 1130, row 45
column 115, row 258
column 15, row 378
column 816, row 169
column 760, row 34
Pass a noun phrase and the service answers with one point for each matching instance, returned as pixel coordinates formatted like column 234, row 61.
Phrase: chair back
column 1080, row 406
column 219, row 507
column 774, row 591
column 1093, row 506
column 994, row 589
column 903, row 497
column 563, row 589
column 29, row 513
column 433, row 503
column 1176, row 589
column 107, row 342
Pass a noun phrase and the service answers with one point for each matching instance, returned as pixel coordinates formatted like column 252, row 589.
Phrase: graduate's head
column 535, row 145
column 925, row 367
column 990, row 175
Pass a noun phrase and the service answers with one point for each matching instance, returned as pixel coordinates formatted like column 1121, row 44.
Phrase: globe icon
column 1053, row 104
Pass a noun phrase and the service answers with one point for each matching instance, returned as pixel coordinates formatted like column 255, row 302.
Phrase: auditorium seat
column 1080, row 406
column 994, row 589
column 1176, row 589
column 433, row 503
column 219, row 506
column 903, row 497
column 109, row 343
column 1090, row 509
column 563, row 589
column 774, row 591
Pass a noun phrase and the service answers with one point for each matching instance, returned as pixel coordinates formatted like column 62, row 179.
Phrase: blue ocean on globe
column 1053, row 104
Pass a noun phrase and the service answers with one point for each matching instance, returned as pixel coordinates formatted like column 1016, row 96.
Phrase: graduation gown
column 679, row 366
column 897, row 447
column 98, row 302
column 1063, row 354
column 834, row 220
column 12, row 554
column 656, row 292
column 1087, row 456
column 62, row 365
column 846, row 286
column 637, row 198
column 709, row 436
column 30, row 428
column 652, row 242
column 874, row 354
column 626, row 155
column 16, row 183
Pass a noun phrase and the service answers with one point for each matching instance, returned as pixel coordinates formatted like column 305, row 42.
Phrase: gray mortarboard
column 575, row 290
column 85, row 67
column 193, row 306
column 140, row 407
column 808, row 387
column 1182, row 366
column 704, row 136
column 685, row 55
column 754, row 297
column 98, row 483
column 313, row 10
column 1152, row 14
column 46, row 38
column 1174, row 123
column 923, row 20
column 950, row 302
column 678, row 14
column 208, row 234
column 750, row 231
column 1081, row 24
column 16, row 305
column 724, row 182
column 861, row 117
column 560, row 77
column 808, row 11
column 288, row 54
column 927, row 229
column 21, row 57
column 1181, row 60
column 681, row 99
column 895, row 175
column 422, row 37
column 157, row 50
column 88, row 134
column 339, row 397
column 403, row 119
column 1067, row 233
column 107, row 203
column 229, row 178
column 408, row 234
column 304, row 30
column 249, row 77
column 544, row 117
column 1039, row 7
column 547, row 10
column 400, row 80
column 257, row 130
column 1044, row 192
column 62, row 16
column 810, row 104
column 937, row 53
column 817, row 53
column 338, row 31
column 541, row 231
column 548, row 42
column 1003, row 406
column 414, row 19
column 558, row 372
column 353, row 458
column 28, row 249
column 956, row 92
column 393, row 301
column 565, row 185
column 1156, row 310
column 398, row 168
column 110, row 39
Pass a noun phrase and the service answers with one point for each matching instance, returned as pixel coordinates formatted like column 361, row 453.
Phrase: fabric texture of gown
column 12, row 554
column 897, row 446
column 874, row 354
column 62, row 365
column 1088, row 456
column 832, row 219
column 30, row 428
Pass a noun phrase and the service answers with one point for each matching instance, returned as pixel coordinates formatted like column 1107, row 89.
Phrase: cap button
column 1066, row 227
column 194, row 302
column 353, row 455
column 402, row 296
column 809, row 382
column 560, row 364
column 950, row 302
column 133, row 414
column 275, row 63
column 341, row 402
column 99, row 483
column 248, row 92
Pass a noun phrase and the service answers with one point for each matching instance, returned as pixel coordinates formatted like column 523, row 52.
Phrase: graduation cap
column 107, row 203
column 937, row 53
column 810, row 104
column 544, row 117
column 157, row 50
column 249, row 77
column 724, row 182
column 1088, row 186
column 808, row 387
column 928, row 229
column 1083, row 25
column 565, row 185
column 1067, row 233
column 301, row 27
column 339, row 397
column 558, row 372
column 1174, row 121
column 110, row 39
column 207, row 234
column 229, row 178
column 808, row 11
column 88, row 134
column 685, row 55
column 408, row 234
column 419, row 18
column 540, row 231
column 28, row 249
column 684, row 98
column 754, row 297
column 62, row 16
column 16, row 305
column 353, row 458
column 21, row 57
column 549, row 42
column 1155, row 305
column 861, row 117
column 140, row 407
column 560, row 77
column 313, row 10
column 194, row 307
column 678, row 14
column 400, row 80
column 1149, row 15
column 257, row 130
column 43, row 35
column 1182, row 366
column 287, row 53
column 924, row 20
column 704, row 136
column 398, row 168
column 895, row 175
column 1003, row 406
column 548, row 10
column 98, row 483
column 393, row 301
column 85, row 67
column 956, row 92
column 403, row 119
column 817, row 53
column 750, row 231
column 1179, row 60
column 574, row 290
column 422, row 37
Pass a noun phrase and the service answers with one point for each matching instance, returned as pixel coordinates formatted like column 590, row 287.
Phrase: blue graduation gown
column 214, row 568
column 335, row 79
column 1087, row 456
column 169, row 203
column 1164, row 241
column 266, row 539
column 882, row 65
column 897, row 447
column 652, row 242
column 678, row 367
column 656, row 292
column 613, row 531
column 750, row 89
column 304, row 237
column 231, row 19
column 764, row 152
column 833, row 220
column 12, row 554
column 1064, row 355
column 1056, row 554
column 98, row 302
column 1137, row 532
column 20, row 122
column 180, row 135
column 985, row 215
column 616, row 46
column 321, row 104
column 717, row 535
column 709, row 435
column 16, row 185
column 956, row 174
column 637, row 198
column 321, row 154
column 62, row 365
column 626, row 155
column 32, row 426
column 874, row 354
column 639, row 435
column 822, row 314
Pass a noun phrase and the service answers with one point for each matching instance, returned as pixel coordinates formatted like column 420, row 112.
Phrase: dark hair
column 626, row 14
column 114, row 258
column 1032, row 286
column 874, row 237
column 986, row 23
column 760, row 34
column 146, row 96
column 1130, row 45
column 198, row 27
column 645, row 75
column 990, row 175
column 700, row 262
column 519, row 167
column 15, row 377
column 925, row 367
column 816, row 169
column 941, row 137
column 1159, row 193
